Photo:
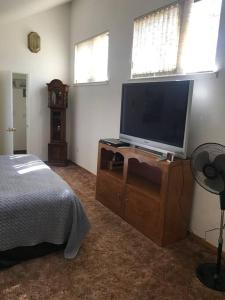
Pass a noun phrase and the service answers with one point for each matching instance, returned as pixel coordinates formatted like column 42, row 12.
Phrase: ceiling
column 12, row 10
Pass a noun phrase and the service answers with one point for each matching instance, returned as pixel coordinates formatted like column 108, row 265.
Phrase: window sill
column 193, row 76
column 91, row 83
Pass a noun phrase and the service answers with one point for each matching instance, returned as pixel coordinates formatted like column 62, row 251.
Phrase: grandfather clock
column 57, row 102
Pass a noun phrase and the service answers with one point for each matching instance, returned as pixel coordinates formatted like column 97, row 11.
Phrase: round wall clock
column 34, row 42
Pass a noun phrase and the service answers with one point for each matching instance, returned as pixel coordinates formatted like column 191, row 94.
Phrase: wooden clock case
column 57, row 102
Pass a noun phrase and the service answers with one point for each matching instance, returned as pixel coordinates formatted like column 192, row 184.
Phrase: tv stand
column 152, row 195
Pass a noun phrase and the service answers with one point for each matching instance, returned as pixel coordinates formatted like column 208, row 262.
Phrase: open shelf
column 116, row 173
column 145, row 178
column 112, row 164
column 144, row 186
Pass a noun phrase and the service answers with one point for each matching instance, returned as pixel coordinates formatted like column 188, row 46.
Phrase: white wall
column 95, row 110
column 51, row 62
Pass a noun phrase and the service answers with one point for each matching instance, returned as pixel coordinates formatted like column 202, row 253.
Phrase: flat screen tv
column 155, row 115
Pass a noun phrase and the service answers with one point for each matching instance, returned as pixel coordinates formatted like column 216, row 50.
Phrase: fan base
column 206, row 274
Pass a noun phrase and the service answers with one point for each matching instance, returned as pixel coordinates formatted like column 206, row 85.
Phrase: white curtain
column 155, row 42
column 91, row 60
column 177, row 39
column 185, row 7
column 200, row 33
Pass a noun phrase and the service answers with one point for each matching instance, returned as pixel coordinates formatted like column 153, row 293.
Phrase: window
column 199, row 50
column 155, row 42
column 91, row 60
column 178, row 39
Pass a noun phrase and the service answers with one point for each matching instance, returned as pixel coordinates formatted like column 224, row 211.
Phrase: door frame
column 7, row 109
column 27, row 106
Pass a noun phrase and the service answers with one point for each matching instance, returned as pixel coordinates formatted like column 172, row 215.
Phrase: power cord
column 210, row 230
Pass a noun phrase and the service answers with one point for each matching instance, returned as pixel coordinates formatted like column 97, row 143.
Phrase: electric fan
column 208, row 167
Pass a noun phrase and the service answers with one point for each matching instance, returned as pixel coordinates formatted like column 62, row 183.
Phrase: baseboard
column 74, row 163
column 204, row 243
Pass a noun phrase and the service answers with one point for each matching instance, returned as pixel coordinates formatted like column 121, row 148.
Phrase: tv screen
column 155, row 112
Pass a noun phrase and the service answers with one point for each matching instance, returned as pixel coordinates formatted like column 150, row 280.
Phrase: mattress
column 38, row 206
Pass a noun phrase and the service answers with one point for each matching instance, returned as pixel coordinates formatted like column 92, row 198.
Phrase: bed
column 37, row 206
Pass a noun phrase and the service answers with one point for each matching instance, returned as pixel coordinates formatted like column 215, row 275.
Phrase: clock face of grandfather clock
column 57, row 102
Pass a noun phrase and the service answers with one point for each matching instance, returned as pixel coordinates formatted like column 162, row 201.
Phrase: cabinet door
column 143, row 213
column 109, row 193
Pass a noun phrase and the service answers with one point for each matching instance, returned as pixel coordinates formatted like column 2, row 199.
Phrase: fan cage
column 213, row 150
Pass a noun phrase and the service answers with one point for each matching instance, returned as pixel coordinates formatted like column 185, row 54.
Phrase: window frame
column 104, row 82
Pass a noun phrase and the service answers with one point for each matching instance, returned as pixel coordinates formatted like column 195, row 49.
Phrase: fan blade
column 215, row 185
column 219, row 163
column 201, row 160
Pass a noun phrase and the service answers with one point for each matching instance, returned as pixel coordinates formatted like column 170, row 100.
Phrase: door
column 6, row 113
column 19, row 113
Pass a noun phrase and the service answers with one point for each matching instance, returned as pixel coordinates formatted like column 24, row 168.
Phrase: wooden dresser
column 152, row 195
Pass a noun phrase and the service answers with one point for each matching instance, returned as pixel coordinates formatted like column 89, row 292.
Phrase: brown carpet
column 115, row 262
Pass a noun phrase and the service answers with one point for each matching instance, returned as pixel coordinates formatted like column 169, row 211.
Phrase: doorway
column 19, row 86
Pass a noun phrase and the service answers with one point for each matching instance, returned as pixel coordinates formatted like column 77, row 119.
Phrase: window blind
column 200, row 38
column 178, row 39
column 155, row 42
column 91, row 60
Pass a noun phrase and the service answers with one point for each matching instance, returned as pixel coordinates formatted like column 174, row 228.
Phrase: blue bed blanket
column 37, row 206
